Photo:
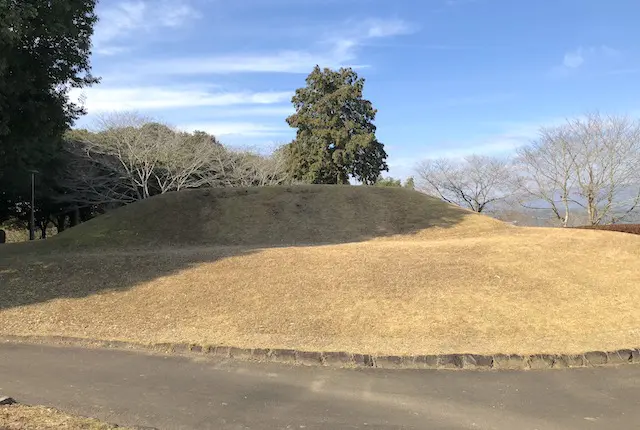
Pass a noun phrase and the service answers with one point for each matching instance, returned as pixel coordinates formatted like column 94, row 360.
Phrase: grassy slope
column 470, row 285
column 270, row 216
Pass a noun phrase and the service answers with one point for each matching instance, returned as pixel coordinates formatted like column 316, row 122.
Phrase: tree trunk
column 43, row 229
column 343, row 178
column 565, row 221
column 74, row 218
column 590, row 211
column 62, row 219
column 85, row 214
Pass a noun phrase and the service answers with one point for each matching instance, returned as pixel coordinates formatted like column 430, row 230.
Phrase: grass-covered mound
column 325, row 268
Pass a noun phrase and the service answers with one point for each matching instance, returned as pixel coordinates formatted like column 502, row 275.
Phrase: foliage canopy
column 336, row 137
column 44, row 52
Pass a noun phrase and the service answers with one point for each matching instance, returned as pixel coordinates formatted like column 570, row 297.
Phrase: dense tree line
column 395, row 183
column 131, row 158
column 44, row 52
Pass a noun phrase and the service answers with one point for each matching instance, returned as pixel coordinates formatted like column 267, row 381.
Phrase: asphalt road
column 185, row 393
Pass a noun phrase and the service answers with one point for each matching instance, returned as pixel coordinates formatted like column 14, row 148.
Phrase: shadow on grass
column 31, row 279
column 173, row 232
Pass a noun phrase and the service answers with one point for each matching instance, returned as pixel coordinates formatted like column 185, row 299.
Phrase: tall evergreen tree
column 336, row 137
column 44, row 52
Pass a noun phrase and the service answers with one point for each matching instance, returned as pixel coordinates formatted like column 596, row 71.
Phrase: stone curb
column 345, row 359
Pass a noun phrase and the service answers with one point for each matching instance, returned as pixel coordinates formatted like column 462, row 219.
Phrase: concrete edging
column 349, row 360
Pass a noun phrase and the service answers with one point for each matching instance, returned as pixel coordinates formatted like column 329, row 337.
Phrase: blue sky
column 448, row 77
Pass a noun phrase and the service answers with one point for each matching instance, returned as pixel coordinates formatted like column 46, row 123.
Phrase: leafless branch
column 589, row 162
column 475, row 183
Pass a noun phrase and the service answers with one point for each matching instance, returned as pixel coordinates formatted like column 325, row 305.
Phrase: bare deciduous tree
column 546, row 173
column 475, row 183
column 254, row 169
column 131, row 158
column 591, row 163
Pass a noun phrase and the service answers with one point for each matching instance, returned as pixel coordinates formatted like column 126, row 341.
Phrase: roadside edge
column 351, row 360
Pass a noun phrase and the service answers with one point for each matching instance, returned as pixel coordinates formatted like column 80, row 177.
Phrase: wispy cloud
column 165, row 83
column 120, row 21
column 100, row 99
column 504, row 142
column 385, row 28
column 279, row 62
column 573, row 60
column 510, row 136
column 281, row 111
column 340, row 49
column 243, row 129
column 583, row 56
column 496, row 145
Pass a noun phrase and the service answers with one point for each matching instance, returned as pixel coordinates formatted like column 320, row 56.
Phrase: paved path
column 186, row 393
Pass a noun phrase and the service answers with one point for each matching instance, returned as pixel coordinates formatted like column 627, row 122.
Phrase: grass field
column 382, row 271
column 20, row 417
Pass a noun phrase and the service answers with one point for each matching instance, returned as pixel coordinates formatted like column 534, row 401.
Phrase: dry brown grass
column 269, row 216
column 475, row 286
column 20, row 417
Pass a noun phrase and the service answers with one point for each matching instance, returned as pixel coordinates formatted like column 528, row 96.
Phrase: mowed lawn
column 515, row 290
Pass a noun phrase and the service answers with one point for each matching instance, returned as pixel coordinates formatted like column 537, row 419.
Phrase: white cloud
column 574, row 59
column 334, row 52
column 132, row 84
column 244, row 129
column 583, row 56
column 107, row 50
column 502, row 143
column 116, row 21
column 101, row 99
column 281, row 62
column 251, row 112
column 496, row 145
column 120, row 21
column 175, row 14
column 385, row 28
